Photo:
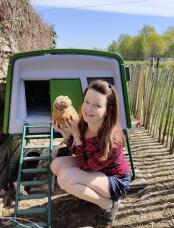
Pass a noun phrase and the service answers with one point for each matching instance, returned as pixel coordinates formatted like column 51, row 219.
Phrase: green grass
column 136, row 62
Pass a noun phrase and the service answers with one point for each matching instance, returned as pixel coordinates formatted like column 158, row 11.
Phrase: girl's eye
column 97, row 106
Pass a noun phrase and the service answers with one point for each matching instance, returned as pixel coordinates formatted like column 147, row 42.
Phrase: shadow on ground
column 152, row 206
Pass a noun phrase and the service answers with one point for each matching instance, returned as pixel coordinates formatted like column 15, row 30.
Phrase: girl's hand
column 73, row 128
column 63, row 132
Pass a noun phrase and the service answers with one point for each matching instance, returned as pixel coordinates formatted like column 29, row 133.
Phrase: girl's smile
column 88, row 115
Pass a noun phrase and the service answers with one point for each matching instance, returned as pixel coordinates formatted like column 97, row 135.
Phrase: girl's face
column 94, row 107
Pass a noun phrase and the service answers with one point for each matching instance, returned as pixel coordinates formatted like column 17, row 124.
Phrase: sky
column 89, row 24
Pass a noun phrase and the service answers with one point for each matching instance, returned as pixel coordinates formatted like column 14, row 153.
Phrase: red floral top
column 89, row 157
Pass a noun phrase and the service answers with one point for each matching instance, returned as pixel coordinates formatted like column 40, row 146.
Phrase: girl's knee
column 54, row 166
column 63, row 178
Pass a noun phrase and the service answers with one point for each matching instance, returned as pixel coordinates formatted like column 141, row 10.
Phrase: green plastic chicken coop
column 34, row 80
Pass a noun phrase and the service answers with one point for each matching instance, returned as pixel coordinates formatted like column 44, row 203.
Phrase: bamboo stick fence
column 151, row 93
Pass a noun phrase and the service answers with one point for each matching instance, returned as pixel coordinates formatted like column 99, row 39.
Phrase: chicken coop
column 34, row 80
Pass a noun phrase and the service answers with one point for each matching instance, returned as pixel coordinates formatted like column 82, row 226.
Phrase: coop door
column 67, row 87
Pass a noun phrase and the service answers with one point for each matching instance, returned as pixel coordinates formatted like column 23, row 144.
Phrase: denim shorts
column 118, row 186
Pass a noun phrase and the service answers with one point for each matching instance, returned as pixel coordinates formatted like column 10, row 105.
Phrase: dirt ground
column 151, row 206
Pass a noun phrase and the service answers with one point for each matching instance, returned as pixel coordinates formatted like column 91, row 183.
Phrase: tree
column 138, row 47
column 98, row 49
column 124, row 46
column 113, row 47
column 168, row 37
column 147, row 44
column 147, row 30
column 154, row 45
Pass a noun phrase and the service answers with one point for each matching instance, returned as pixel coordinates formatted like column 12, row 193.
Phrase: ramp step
column 32, row 196
column 37, row 136
column 35, row 210
column 33, row 132
column 38, row 126
column 36, row 158
column 32, row 225
column 37, row 170
column 34, row 183
column 36, row 147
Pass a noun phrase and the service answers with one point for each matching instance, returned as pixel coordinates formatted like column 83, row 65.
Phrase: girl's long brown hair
column 111, row 117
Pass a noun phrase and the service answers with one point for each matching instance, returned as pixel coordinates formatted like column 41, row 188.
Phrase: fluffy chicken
column 63, row 110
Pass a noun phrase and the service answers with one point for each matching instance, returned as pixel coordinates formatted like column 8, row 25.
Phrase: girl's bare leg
column 89, row 186
column 60, row 163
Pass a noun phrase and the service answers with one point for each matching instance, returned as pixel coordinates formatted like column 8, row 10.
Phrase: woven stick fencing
column 151, row 93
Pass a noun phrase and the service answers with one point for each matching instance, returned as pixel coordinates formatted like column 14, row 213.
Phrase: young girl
column 98, row 172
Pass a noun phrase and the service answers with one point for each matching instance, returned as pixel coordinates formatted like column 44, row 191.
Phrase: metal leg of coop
column 10, row 153
column 129, row 153
column 8, row 163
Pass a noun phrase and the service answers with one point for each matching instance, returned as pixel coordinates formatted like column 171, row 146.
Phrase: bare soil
column 151, row 206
